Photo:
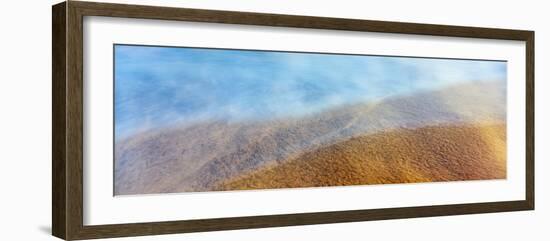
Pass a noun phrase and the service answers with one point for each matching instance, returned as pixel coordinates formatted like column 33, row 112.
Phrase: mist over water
column 158, row 86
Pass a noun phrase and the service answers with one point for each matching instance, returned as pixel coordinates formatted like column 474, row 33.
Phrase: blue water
column 157, row 86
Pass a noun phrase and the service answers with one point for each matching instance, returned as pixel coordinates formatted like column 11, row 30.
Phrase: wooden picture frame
column 67, row 150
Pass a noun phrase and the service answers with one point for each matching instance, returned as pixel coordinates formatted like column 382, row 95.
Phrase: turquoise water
column 158, row 86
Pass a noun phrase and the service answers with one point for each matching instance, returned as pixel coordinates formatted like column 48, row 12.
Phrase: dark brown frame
column 67, row 158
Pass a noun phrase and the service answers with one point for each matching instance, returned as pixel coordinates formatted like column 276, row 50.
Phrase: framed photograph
column 171, row 120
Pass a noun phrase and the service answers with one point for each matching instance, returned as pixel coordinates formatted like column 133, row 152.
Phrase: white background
column 100, row 207
column 25, row 126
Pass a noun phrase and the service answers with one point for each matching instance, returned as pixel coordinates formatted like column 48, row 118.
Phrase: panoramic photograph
column 192, row 119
